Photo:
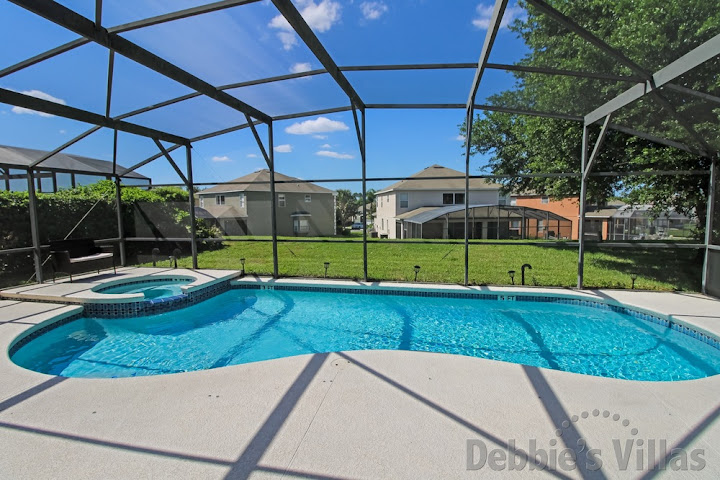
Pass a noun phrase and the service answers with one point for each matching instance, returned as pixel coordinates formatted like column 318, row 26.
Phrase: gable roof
column 413, row 182
column 244, row 184
column 23, row 157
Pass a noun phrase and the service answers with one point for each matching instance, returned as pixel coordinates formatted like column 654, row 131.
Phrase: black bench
column 73, row 256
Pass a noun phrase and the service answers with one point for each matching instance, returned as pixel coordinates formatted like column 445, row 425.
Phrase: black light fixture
column 242, row 263
column 417, row 270
column 633, row 277
column 327, row 265
column 512, row 276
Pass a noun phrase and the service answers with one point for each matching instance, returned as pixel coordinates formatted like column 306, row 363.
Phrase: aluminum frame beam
column 303, row 30
column 596, row 149
column 76, row 23
column 712, row 190
column 360, row 131
column 189, row 12
column 498, row 12
column 38, row 104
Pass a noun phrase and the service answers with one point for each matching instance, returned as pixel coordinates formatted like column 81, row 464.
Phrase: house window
column 281, row 199
column 515, row 224
column 202, row 202
column 242, row 200
column 308, row 198
column 447, row 199
column 301, row 225
column 403, row 200
column 502, row 201
column 219, row 199
column 459, row 198
column 544, row 200
column 453, row 198
column 513, row 201
column 541, row 225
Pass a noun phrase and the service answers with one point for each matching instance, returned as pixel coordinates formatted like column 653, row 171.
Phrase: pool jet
column 522, row 271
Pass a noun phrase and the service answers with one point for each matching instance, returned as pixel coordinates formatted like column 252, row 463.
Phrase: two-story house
column 242, row 206
column 420, row 206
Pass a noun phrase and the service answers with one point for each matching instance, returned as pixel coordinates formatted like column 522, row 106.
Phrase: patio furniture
column 78, row 255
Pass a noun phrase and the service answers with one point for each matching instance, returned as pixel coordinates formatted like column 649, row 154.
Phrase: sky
column 251, row 42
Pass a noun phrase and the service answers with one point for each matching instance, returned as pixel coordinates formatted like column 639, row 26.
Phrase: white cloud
column 460, row 138
column 63, row 132
column 373, row 10
column 320, row 137
column 319, row 16
column 327, row 153
column 283, row 148
column 319, row 125
column 251, row 155
column 300, row 67
column 485, row 14
column 326, row 146
column 37, row 94
column 220, row 158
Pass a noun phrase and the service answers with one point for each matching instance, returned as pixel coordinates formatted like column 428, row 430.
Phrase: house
column 60, row 171
column 242, row 206
column 618, row 221
column 568, row 208
column 425, row 204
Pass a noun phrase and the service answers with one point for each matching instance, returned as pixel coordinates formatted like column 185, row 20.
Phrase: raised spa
column 151, row 288
column 250, row 325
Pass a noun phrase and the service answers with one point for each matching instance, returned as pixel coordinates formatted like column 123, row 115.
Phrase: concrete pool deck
column 361, row 414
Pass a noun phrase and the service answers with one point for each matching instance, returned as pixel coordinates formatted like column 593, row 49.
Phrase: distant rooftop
column 284, row 184
column 413, row 182
column 23, row 157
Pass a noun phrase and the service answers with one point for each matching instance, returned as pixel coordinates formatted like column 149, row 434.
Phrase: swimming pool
column 249, row 325
column 151, row 288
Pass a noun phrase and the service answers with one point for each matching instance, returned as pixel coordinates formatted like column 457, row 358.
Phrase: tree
column 652, row 33
column 346, row 207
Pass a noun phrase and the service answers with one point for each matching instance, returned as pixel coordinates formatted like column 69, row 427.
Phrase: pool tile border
column 180, row 278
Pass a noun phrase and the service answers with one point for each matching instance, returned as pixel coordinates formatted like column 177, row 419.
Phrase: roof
column 426, row 214
column 244, row 184
column 23, row 157
column 412, row 182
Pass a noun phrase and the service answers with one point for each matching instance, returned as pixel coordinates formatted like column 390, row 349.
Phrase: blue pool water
column 241, row 326
column 151, row 289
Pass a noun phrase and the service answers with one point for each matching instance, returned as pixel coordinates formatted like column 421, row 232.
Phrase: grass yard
column 657, row 269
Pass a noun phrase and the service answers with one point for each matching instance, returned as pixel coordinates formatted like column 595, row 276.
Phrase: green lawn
column 657, row 269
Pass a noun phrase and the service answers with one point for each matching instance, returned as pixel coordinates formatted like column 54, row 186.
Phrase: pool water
column 151, row 290
column 241, row 326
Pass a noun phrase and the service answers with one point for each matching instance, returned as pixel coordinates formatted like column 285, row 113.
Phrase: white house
column 425, row 194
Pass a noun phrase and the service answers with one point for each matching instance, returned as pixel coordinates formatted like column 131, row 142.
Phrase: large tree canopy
column 651, row 33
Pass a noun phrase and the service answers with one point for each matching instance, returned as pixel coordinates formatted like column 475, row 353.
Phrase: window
column 515, row 224
column 301, row 225
column 544, row 199
column 541, row 225
column 241, row 199
column 513, row 201
column 459, row 198
column 381, row 200
column 403, row 200
column 281, row 199
column 502, row 201
column 308, row 198
column 447, row 198
column 219, row 199
column 453, row 198
column 202, row 202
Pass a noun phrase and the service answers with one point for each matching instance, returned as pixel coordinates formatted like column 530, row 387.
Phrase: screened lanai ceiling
column 185, row 71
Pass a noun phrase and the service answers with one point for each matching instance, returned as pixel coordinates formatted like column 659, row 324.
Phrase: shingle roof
column 23, row 157
column 294, row 185
column 412, row 182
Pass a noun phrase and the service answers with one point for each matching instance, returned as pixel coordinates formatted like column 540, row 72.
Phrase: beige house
column 240, row 208
column 399, row 204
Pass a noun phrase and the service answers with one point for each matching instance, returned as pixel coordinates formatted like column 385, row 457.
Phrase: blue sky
column 250, row 42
